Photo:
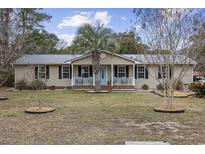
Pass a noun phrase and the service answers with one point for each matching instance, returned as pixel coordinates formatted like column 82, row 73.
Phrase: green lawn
column 83, row 118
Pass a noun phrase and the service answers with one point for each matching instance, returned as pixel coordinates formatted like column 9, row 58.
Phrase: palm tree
column 94, row 39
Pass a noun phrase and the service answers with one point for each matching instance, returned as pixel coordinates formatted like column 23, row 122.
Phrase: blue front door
column 103, row 75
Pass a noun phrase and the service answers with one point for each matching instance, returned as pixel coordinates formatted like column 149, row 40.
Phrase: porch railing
column 83, row 80
column 122, row 80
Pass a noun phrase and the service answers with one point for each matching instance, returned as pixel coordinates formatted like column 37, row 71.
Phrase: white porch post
column 72, row 81
column 93, row 78
column 111, row 74
column 133, row 75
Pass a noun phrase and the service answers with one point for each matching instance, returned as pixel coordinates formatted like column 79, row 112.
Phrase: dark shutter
column 127, row 71
column 146, row 73
column 159, row 73
column 79, row 71
column 36, row 72
column 135, row 72
column 47, row 72
column 170, row 73
column 115, row 71
column 60, row 72
column 70, row 72
column 91, row 70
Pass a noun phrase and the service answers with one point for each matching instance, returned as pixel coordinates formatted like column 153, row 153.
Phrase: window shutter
column 70, row 72
column 60, row 72
column 170, row 73
column 79, row 71
column 127, row 71
column 91, row 70
column 159, row 73
column 36, row 72
column 146, row 73
column 47, row 72
column 115, row 71
column 135, row 72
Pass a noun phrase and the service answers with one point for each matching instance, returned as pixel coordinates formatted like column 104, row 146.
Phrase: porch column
column 72, row 81
column 111, row 74
column 133, row 75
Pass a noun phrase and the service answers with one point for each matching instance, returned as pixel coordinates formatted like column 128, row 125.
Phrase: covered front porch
column 110, row 75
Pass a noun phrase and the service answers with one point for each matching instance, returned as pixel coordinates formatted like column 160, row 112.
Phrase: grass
column 111, row 118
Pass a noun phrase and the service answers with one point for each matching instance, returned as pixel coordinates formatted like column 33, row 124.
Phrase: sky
column 65, row 22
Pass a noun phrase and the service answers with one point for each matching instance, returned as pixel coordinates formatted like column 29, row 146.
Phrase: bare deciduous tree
column 167, row 32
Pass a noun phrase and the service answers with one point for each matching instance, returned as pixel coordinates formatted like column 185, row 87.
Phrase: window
column 42, row 72
column 163, row 71
column 121, row 71
column 141, row 72
column 85, row 71
column 66, row 71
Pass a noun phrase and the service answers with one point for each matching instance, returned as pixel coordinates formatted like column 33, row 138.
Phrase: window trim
column 141, row 72
column 85, row 66
column 41, row 72
column 62, row 71
column 118, row 68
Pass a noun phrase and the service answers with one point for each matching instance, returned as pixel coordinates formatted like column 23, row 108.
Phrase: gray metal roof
column 157, row 59
column 66, row 59
column 44, row 59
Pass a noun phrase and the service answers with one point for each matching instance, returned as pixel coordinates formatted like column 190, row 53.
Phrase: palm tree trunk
column 96, row 69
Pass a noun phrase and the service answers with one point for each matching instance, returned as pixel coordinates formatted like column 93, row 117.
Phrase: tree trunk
column 96, row 69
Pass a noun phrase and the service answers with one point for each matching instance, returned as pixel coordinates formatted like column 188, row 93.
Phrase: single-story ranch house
column 120, row 71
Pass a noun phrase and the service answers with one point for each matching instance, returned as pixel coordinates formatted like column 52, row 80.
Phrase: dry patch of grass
column 113, row 118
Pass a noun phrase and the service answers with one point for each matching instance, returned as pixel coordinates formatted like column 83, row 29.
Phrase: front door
column 103, row 75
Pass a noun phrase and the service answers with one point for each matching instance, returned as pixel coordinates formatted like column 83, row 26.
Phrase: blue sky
column 65, row 22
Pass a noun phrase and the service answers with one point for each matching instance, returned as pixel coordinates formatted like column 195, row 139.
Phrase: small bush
column 37, row 85
column 198, row 88
column 145, row 87
column 22, row 85
column 179, row 85
column 53, row 87
column 10, row 81
column 160, row 87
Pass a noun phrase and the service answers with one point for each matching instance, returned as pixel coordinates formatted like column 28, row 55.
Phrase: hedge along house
column 127, row 71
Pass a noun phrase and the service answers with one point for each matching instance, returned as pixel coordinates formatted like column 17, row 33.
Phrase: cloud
column 103, row 17
column 86, row 17
column 123, row 18
column 75, row 21
column 67, row 38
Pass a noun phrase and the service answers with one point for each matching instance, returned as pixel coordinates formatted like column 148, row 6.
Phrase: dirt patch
column 172, row 130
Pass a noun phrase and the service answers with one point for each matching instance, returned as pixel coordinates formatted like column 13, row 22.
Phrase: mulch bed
column 175, row 96
column 3, row 98
column 37, row 110
column 164, row 110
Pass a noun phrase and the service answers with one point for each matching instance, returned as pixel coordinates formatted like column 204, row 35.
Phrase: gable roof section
column 117, row 55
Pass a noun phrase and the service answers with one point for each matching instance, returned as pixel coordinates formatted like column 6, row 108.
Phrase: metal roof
column 159, row 59
column 67, row 59
column 44, row 59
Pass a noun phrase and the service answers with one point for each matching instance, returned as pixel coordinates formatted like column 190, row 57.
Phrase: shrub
column 179, row 85
column 198, row 88
column 53, row 87
column 22, row 85
column 37, row 85
column 145, row 87
column 160, row 87
column 10, row 81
